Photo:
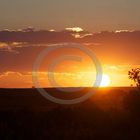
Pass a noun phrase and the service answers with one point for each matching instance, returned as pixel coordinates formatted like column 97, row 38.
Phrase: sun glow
column 105, row 81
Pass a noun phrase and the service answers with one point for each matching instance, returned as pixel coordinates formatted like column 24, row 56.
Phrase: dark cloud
column 42, row 36
column 45, row 36
column 19, row 49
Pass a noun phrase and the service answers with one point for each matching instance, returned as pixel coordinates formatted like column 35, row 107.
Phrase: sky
column 109, row 28
column 91, row 15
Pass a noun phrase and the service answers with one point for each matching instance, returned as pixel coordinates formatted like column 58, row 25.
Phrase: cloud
column 10, row 46
column 75, row 34
column 10, row 73
column 75, row 29
column 31, row 36
column 19, row 49
column 11, row 79
column 121, row 31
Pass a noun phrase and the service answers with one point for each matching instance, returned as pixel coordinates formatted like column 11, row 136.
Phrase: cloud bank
column 19, row 49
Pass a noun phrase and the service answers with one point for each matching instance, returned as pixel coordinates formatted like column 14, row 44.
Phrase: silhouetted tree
column 134, row 75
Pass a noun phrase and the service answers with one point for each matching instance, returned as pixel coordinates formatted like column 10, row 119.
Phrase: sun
column 105, row 81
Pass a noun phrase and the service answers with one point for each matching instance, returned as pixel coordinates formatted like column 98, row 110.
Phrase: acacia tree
column 134, row 75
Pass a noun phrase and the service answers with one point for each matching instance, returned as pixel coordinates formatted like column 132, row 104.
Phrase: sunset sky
column 110, row 28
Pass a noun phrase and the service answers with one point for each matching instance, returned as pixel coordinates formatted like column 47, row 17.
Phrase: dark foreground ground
column 111, row 114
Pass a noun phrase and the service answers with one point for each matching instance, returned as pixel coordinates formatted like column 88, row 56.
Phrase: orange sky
column 117, row 52
column 117, row 74
column 67, row 73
